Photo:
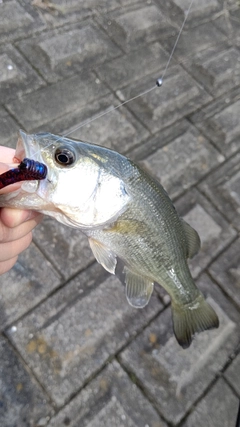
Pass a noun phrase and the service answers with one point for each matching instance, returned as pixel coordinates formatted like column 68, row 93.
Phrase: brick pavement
column 73, row 353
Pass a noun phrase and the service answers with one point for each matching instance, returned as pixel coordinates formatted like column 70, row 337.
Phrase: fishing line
column 159, row 83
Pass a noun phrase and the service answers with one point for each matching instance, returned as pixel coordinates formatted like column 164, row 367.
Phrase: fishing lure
column 26, row 171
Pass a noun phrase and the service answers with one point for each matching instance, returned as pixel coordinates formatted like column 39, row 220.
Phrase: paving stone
column 121, row 71
column 18, row 20
column 223, row 128
column 8, row 130
column 214, row 231
column 159, row 140
column 30, row 281
column 181, row 163
column 226, row 272
column 45, row 105
column 174, row 378
column 60, row 54
column 176, row 10
column 16, row 76
column 232, row 374
column 217, row 68
column 228, row 22
column 137, row 24
column 222, row 188
column 109, row 5
column 194, row 40
column 59, row 12
column 215, row 107
column 67, row 248
column 56, row 13
column 218, row 408
column 70, row 337
column 178, row 97
column 22, row 402
column 110, row 400
column 118, row 129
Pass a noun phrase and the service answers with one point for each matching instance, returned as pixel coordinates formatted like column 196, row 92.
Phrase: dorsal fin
column 193, row 239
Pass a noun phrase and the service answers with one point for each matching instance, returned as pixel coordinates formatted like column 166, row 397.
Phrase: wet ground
column 72, row 351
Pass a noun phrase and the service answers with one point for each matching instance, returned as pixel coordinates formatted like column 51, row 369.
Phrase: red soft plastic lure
column 26, row 171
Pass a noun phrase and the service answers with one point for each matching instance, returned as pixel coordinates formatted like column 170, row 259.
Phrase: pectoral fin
column 193, row 239
column 103, row 255
column 138, row 289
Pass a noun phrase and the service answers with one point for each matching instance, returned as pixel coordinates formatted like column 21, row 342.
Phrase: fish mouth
column 26, row 147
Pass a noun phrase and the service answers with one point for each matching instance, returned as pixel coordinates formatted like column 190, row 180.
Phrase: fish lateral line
column 27, row 170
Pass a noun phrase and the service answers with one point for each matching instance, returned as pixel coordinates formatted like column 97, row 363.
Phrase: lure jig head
column 26, row 171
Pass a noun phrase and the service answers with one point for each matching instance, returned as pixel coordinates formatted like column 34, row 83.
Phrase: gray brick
column 110, row 400
column 18, row 20
column 228, row 22
column 22, row 401
column 181, row 163
column 67, row 248
column 225, row 271
column 56, row 13
column 178, row 97
column 222, row 188
column 174, row 378
column 176, row 10
column 118, row 129
column 8, row 129
column 60, row 54
column 110, row 5
column 138, row 24
column 45, row 105
column 124, row 70
column 194, row 40
column 217, row 68
column 214, row 231
column 232, row 374
column 218, row 408
column 215, row 107
column 71, row 336
column 223, row 128
column 25, row 285
column 16, row 76
column 159, row 140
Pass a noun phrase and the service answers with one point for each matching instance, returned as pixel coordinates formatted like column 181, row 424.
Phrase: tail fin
column 189, row 319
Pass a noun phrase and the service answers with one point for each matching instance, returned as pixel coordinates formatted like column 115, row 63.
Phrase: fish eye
column 64, row 156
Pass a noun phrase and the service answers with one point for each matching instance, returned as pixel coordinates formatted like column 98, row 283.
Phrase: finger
column 10, row 188
column 13, row 217
column 7, row 265
column 12, row 234
column 12, row 249
column 6, row 155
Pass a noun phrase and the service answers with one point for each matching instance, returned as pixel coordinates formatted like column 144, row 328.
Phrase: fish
column 132, row 226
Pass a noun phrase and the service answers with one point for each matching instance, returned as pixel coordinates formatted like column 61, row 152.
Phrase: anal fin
column 103, row 255
column 138, row 289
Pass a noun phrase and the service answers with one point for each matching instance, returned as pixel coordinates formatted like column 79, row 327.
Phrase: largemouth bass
column 127, row 217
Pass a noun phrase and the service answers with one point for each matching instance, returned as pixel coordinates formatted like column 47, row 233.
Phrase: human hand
column 15, row 224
